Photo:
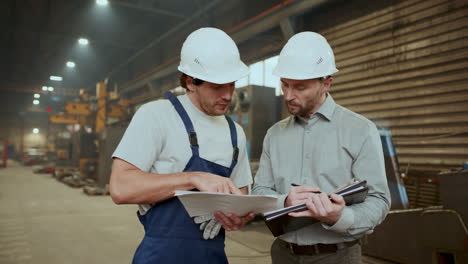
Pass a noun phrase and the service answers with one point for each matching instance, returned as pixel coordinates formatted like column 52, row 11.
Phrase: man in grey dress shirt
column 320, row 147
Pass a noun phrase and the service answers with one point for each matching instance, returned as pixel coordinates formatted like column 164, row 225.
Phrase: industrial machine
column 92, row 114
column 63, row 149
column 255, row 109
column 84, row 153
column 282, row 108
column 435, row 234
column 109, row 138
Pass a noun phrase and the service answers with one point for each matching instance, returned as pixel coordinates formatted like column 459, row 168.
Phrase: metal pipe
column 147, row 9
column 431, row 210
column 439, row 210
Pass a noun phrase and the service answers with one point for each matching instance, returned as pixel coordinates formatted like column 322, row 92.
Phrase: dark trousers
column 281, row 253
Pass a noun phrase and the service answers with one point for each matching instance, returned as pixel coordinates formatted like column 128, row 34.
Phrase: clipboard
column 279, row 222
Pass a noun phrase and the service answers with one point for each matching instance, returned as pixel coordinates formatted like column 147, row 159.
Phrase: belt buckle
column 316, row 248
column 291, row 248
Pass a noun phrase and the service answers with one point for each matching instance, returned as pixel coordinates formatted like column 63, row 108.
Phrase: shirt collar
column 327, row 108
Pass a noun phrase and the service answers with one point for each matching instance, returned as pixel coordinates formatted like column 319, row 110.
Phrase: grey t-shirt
column 156, row 141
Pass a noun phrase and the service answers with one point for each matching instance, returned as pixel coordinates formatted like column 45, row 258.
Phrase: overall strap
column 235, row 154
column 187, row 122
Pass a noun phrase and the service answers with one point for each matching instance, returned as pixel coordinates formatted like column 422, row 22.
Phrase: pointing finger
column 234, row 189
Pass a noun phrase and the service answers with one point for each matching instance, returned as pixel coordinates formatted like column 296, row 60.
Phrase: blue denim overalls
column 171, row 236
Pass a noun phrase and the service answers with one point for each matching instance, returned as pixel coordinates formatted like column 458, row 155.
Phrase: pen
column 296, row 185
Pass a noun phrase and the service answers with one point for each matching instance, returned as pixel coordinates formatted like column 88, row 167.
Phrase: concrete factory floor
column 44, row 221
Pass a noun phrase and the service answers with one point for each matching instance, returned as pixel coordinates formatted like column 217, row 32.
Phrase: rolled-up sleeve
column 369, row 165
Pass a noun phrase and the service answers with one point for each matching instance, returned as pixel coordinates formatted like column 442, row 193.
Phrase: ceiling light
column 102, row 2
column 70, row 64
column 44, row 88
column 36, row 102
column 83, row 41
column 36, row 130
column 56, row 78
column 50, row 89
column 37, row 96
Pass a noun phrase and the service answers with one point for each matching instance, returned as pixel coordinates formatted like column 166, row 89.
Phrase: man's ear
column 327, row 83
column 189, row 84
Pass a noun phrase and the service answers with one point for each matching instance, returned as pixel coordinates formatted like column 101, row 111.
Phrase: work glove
column 209, row 225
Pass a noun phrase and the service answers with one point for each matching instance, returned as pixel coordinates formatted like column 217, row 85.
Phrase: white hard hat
column 307, row 55
column 209, row 54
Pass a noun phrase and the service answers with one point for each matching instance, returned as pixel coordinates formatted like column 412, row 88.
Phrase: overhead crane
column 91, row 113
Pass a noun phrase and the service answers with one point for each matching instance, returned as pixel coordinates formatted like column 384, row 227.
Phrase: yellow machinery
column 101, row 94
column 90, row 113
column 82, row 112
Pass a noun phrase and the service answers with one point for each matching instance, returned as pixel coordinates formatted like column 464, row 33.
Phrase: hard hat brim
column 302, row 75
column 223, row 77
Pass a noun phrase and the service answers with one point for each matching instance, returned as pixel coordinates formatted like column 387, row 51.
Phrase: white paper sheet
column 203, row 203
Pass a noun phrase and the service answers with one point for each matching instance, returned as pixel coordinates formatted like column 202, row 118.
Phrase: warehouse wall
column 406, row 68
column 37, row 120
column 17, row 129
column 11, row 130
column 402, row 64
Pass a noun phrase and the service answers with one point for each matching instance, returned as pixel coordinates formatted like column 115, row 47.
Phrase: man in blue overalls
column 186, row 143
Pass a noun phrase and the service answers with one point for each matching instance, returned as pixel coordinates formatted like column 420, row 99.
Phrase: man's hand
column 300, row 194
column 232, row 222
column 322, row 208
column 208, row 182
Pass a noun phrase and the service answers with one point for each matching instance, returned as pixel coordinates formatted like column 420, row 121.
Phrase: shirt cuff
column 280, row 202
column 345, row 221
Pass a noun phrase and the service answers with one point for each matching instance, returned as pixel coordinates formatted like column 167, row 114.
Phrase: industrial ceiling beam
column 71, row 36
column 249, row 28
column 287, row 28
column 267, row 21
column 25, row 89
column 168, row 33
column 154, row 11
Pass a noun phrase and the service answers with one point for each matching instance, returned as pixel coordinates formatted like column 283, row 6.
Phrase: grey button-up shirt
column 330, row 149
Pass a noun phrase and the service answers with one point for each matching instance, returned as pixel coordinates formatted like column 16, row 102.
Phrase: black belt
column 317, row 248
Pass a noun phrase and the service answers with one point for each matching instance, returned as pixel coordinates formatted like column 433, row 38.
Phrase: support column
column 101, row 95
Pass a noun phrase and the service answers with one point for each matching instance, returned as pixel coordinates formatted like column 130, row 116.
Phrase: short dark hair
column 183, row 82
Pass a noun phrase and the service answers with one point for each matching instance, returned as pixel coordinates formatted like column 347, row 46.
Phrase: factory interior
column 74, row 73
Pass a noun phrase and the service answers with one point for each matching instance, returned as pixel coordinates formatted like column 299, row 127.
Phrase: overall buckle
column 193, row 139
